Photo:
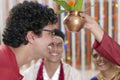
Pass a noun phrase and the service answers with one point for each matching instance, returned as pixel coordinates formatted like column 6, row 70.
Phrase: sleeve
column 109, row 49
column 9, row 75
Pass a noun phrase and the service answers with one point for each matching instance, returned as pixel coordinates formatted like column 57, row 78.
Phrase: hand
column 90, row 22
column 93, row 26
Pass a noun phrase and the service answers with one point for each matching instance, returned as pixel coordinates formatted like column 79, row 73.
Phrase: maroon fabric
column 40, row 72
column 9, row 69
column 109, row 49
column 61, row 75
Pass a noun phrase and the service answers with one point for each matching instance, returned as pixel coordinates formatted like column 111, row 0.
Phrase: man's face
column 41, row 43
column 56, row 50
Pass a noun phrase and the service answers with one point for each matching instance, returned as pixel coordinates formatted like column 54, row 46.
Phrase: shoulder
column 70, row 68
column 8, row 74
column 3, row 51
column 71, row 73
column 6, row 57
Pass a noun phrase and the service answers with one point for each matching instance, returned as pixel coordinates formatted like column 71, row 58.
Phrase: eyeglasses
column 50, row 31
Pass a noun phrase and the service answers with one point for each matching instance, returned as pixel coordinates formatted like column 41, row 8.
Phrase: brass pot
column 73, row 21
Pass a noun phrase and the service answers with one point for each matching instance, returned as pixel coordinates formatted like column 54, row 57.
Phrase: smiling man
column 52, row 67
column 27, row 35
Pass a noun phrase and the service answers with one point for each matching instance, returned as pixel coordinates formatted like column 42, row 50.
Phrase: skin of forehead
column 57, row 37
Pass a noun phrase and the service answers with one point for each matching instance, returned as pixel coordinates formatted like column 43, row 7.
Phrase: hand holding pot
column 93, row 26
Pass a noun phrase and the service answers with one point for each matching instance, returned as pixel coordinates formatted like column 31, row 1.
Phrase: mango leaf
column 60, row 11
column 72, row 8
column 78, row 5
column 63, row 4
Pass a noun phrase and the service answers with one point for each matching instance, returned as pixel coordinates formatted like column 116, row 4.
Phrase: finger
column 82, row 15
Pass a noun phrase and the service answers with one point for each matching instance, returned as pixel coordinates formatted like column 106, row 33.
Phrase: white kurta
column 70, row 72
column 54, row 77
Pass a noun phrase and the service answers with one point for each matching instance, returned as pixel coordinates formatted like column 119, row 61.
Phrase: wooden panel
column 69, row 47
column 88, row 42
column 115, row 20
column 105, row 16
column 78, row 51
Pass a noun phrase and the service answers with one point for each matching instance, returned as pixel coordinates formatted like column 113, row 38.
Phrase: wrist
column 97, row 32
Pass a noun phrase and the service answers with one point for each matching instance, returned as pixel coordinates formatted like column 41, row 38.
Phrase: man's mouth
column 53, row 54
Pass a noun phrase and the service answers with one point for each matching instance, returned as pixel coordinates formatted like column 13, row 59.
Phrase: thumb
column 82, row 15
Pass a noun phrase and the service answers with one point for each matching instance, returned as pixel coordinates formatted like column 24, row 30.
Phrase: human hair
column 24, row 17
column 59, row 33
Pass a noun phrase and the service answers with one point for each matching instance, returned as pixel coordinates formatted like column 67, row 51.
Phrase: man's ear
column 30, row 36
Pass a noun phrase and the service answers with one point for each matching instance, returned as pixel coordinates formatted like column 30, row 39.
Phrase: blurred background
column 77, row 45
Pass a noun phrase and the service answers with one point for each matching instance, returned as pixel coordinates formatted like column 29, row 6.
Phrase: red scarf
column 40, row 72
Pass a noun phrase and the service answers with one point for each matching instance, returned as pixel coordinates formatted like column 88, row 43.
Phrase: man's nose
column 55, row 48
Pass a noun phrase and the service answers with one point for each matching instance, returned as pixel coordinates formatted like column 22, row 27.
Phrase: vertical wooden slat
column 78, row 51
column 69, row 47
column 96, row 10
column 88, row 35
column 115, row 20
column 106, row 16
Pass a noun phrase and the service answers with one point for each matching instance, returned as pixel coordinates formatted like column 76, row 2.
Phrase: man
column 104, row 45
column 52, row 67
column 27, row 35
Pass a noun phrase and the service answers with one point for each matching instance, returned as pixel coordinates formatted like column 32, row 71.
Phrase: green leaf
column 60, row 11
column 72, row 8
column 78, row 6
column 63, row 4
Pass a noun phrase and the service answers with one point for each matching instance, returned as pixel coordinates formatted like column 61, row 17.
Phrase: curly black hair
column 59, row 33
column 24, row 17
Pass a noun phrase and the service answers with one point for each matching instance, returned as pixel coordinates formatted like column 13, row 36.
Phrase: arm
column 109, row 49
column 105, row 45
column 6, row 74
